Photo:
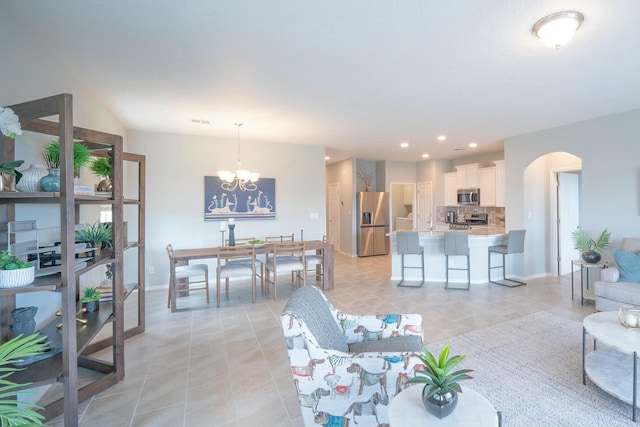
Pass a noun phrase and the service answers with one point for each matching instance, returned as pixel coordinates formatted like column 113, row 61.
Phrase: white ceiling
column 357, row 76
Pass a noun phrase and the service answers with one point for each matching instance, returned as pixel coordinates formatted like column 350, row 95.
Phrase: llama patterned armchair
column 347, row 367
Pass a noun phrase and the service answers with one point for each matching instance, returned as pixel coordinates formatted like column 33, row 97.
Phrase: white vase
column 17, row 278
column 30, row 181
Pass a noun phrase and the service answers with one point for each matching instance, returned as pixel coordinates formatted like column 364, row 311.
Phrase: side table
column 585, row 266
column 473, row 409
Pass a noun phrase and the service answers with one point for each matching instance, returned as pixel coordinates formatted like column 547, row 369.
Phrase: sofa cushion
column 610, row 296
column 628, row 264
column 308, row 303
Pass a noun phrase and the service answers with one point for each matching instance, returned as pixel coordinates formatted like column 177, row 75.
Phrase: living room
column 605, row 144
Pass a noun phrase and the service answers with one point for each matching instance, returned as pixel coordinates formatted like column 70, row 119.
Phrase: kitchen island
column 480, row 238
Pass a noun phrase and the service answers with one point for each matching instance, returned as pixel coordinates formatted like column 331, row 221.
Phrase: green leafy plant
column 94, row 233
column 584, row 242
column 9, row 262
column 91, row 294
column 101, row 167
column 51, row 155
column 437, row 375
column 13, row 411
column 9, row 168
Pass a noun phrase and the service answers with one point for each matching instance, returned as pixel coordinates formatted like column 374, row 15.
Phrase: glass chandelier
column 240, row 179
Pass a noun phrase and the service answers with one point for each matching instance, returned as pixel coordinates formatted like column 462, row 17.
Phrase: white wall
column 609, row 149
column 176, row 167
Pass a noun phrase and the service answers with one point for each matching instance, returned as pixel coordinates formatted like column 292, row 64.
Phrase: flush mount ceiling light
column 242, row 179
column 558, row 28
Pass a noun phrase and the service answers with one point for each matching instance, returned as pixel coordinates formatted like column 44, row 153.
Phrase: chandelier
column 243, row 180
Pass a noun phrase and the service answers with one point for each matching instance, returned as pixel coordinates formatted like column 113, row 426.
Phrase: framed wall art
column 223, row 200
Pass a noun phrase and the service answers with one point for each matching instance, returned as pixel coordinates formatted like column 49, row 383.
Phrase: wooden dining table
column 183, row 256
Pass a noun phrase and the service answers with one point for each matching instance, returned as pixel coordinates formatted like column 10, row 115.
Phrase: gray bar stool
column 408, row 243
column 457, row 244
column 515, row 245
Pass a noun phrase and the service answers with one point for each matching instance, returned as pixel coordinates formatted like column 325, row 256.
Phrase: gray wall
column 609, row 150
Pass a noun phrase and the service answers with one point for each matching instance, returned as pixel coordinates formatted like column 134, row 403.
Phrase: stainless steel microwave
column 469, row 196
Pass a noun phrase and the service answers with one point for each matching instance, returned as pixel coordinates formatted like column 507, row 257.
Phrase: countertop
column 475, row 230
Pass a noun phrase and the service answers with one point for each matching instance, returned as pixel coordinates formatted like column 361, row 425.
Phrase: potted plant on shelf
column 100, row 232
column 91, row 298
column 12, row 410
column 440, row 393
column 10, row 176
column 102, row 167
column 590, row 248
column 15, row 272
column 51, row 155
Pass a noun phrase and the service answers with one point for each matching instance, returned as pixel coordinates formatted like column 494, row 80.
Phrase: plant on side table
column 440, row 393
column 15, row 272
column 91, row 299
column 14, row 412
column 590, row 248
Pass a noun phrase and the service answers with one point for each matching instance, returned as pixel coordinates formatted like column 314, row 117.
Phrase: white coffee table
column 613, row 368
column 407, row 410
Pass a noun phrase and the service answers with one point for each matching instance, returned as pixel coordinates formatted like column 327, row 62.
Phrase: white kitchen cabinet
column 468, row 176
column 450, row 189
column 487, row 178
column 500, row 183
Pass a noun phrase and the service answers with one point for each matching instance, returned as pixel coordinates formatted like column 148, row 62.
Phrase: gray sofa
column 611, row 294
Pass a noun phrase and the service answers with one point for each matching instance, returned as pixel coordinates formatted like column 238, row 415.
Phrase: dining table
column 183, row 256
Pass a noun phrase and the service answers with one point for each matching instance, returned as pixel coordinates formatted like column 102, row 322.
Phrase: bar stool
column 515, row 245
column 408, row 243
column 457, row 244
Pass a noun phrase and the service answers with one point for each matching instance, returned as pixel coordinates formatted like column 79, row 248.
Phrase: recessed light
column 442, row 138
column 404, row 144
column 327, row 158
column 425, row 155
column 473, row 144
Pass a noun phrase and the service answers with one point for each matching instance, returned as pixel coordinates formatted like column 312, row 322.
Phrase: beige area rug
column 531, row 370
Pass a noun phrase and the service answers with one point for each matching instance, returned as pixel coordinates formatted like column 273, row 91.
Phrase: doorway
column 333, row 228
column 401, row 204
column 567, row 186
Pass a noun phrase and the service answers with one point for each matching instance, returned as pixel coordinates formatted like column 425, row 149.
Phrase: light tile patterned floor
column 204, row 366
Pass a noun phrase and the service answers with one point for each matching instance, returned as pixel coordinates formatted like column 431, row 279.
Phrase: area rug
column 531, row 370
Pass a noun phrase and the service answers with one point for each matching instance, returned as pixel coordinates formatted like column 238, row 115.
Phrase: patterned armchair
column 348, row 367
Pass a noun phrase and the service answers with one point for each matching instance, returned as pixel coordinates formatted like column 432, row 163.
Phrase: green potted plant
column 440, row 393
column 15, row 272
column 91, row 298
column 590, row 247
column 10, row 176
column 102, row 167
column 51, row 154
column 100, row 232
column 13, row 411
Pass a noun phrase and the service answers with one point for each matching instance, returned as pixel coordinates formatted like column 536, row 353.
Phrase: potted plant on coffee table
column 15, row 272
column 440, row 393
column 590, row 247
column 91, row 298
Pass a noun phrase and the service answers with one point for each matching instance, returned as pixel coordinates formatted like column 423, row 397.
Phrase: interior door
column 568, row 218
column 333, row 233
column 424, row 205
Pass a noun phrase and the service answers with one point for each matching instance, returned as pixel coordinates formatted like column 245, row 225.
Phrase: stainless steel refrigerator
column 373, row 223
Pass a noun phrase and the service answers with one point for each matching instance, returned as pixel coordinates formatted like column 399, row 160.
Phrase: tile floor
column 204, row 366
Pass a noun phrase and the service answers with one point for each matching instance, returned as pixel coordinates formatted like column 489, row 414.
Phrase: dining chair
column 287, row 258
column 187, row 272
column 280, row 239
column 315, row 262
column 259, row 264
column 236, row 261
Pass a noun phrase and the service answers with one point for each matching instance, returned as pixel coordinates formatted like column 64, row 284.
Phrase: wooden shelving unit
column 74, row 338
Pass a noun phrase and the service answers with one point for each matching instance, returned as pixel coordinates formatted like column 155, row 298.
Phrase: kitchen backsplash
column 494, row 213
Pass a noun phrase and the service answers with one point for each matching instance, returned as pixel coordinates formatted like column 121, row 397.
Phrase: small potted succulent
column 15, row 272
column 9, row 176
column 91, row 298
column 102, row 167
column 440, row 393
column 590, row 247
column 100, row 232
